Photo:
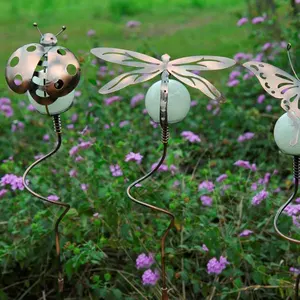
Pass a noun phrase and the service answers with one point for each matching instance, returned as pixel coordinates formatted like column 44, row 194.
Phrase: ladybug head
column 49, row 39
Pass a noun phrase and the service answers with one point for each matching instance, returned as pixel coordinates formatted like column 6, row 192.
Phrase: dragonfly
column 281, row 85
column 147, row 67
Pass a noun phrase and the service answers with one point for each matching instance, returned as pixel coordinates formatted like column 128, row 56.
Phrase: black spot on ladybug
column 59, row 84
column 14, row 61
column 31, row 48
column 261, row 65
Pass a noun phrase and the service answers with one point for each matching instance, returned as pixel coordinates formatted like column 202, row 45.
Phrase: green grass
column 180, row 27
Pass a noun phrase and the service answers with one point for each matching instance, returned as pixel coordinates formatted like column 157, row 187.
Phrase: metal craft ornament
column 49, row 74
column 285, row 87
column 148, row 68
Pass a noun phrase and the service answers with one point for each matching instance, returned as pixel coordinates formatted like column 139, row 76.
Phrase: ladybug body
column 45, row 71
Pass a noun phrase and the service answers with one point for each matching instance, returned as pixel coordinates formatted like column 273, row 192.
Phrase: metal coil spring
column 297, row 167
column 57, row 123
column 165, row 134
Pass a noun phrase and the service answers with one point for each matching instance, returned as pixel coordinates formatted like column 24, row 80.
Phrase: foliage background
column 104, row 233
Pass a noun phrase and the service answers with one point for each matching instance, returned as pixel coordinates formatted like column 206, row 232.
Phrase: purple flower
column 296, row 221
column 261, row 98
column 233, row 83
column 259, row 57
column 150, row 278
column 216, row 267
column 123, row 123
column 15, row 182
column 136, row 99
column 297, row 1
column 2, row 193
column 46, row 137
column 242, row 21
column 162, row 168
column 256, row 200
column 191, row 137
column 84, row 186
column 268, row 108
column 258, row 20
column 73, row 150
column 233, row 75
column 204, row 248
column 292, row 269
column 79, row 158
column 266, row 46
column 242, row 56
column 292, row 209
column 115, row 170
column 144, row 261
column 74, row 118
column 254, row 186
column 194, row 103
column 133, row 24
column 221, row 178
column 53, row 198
column 70, row 126
column 17, row 126
column 245, row 233
column 85, row 145
column 134, row 157
column 206, row 200
column 112, row 99
column 245, row 137
column 30, row 107
column 245, row 164
column 206, row 185
column 77, row 94
column 73, row 173
column 91, row 32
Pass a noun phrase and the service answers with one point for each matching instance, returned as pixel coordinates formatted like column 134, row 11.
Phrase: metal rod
column 57, row 128
column 296, row 167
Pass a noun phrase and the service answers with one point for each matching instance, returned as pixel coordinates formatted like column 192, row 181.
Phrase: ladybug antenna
column 288, row 48
column 36, row 26
column 62, row 30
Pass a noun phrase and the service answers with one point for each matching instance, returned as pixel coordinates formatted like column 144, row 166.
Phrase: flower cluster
column 5, row 107
column 246, row 165
column 134, row 157
column 144, row 261
column 116, row 170
column 15, row 182
column 245, row 137
column 215, row 266
column 191, row 137
column 258, row 198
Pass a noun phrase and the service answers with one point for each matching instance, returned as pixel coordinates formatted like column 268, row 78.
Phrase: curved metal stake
column 57, row 128
column 281, row 210
column 165, row 138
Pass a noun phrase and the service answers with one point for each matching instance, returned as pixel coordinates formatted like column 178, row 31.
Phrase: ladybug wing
column 63, row 72
column 21, row 65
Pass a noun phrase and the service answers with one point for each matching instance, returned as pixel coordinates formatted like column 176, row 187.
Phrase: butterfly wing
column 182, row 69
column 278, row 84
column 148, row 66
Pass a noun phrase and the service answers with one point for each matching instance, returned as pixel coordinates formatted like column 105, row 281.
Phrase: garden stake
column 167, row 101
column 49, row 74
column 282, row 85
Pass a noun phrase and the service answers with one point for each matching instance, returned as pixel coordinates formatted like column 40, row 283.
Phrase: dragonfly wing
column 127, row 58
column 199, row 83
column 201, row 63
column 126, row 79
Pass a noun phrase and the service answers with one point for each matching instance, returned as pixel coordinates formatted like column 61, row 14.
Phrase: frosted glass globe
column 285, row 134
column 59, row 106
column 179, row 101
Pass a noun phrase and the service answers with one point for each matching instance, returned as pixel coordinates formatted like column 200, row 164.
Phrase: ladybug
column 45, row 71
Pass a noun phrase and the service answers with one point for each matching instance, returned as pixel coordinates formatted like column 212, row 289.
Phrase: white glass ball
column 179, row 101
column 59, row 106
column 285, row 134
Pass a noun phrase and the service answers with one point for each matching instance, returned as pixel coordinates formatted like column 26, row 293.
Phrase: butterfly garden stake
column 167, row 101
column 285, row 87
column 49, row 74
